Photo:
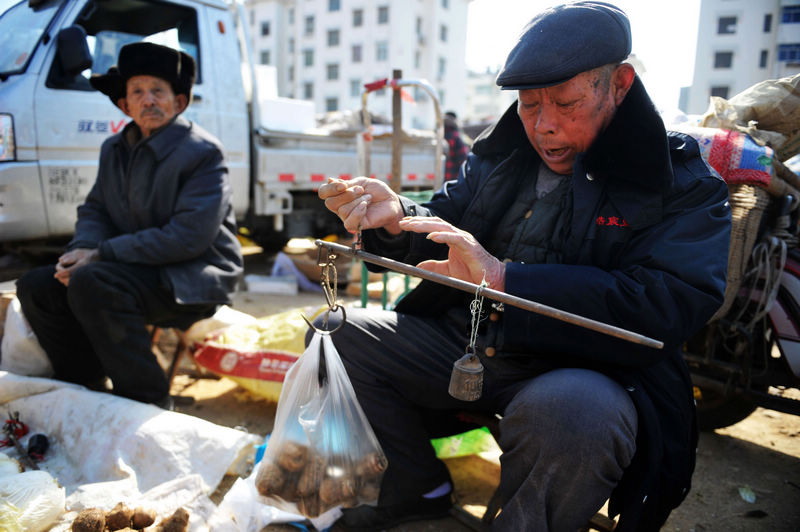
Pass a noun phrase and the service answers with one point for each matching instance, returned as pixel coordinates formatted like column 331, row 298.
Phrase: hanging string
column 357, row 244
column 475, row 308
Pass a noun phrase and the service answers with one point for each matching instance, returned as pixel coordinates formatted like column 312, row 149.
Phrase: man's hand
column 72, row 260
column 467, row 259
column 364, row 202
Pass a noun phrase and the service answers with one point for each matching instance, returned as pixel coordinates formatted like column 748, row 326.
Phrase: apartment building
column 326, row 50
column 740, row 43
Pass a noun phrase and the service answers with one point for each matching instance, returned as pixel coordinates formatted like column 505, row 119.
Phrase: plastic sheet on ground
column 106, row 449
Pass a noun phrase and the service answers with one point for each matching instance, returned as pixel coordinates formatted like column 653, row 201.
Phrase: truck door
column 73, row 120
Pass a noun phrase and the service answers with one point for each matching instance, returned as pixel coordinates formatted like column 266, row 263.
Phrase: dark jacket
column 166, row 201
column 646, row 250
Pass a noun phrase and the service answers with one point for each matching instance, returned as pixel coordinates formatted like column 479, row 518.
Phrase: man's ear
column 621, row 81
column 122, row 103
column 181, row 102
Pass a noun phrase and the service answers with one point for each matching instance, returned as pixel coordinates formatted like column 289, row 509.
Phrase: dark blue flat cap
column 563, row 41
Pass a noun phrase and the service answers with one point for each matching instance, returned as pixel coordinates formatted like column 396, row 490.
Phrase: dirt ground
column 758, row 457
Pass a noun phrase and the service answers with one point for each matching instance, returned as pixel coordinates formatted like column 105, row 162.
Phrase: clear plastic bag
column 322, row 452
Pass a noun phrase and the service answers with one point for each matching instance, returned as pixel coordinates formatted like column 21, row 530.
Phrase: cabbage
column 30, row 501
column 8, row 466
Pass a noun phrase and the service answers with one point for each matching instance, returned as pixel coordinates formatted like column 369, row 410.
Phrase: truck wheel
column 715, row 410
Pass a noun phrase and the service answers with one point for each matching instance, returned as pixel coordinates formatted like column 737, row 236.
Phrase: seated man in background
column 577, row 198
column 155, row 241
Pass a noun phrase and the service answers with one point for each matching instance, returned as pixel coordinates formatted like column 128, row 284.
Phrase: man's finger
column 331, row 188
column 456, row 240
column 355, row 216
column 423, row 224
column 435, row 266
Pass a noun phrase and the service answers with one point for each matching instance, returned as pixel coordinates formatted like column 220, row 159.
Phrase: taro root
column 90, row 520
column 333, row 490
column 119, row 517
column 309, row 506
column 288, row 491
column 311, row 478
column 177, row 522
column 369, row 491
column 142, row 518
column 371, row 465
column 270, row 479
column 292, row 456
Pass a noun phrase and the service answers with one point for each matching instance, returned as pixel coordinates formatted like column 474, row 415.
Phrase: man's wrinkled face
column 151, row 102
column 564, row 120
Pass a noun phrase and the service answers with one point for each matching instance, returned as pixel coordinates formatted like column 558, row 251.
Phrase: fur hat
column 563, row 41
column 147, row 59
column 110, row 84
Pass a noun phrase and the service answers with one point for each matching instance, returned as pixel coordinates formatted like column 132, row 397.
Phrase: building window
column 291, row 45
column 720, row 90
column 308, row 90
column 291, row 15
column 265, row 28
column 723, row 60
column 332, row 71
column 309, row 28
column 381, row 51
column 355, row 88
column 442, row 68
column 308, row 57
column 790, row 14
column 768, row 23
column 264, row 57
column 417, row 59
column 355, row 53
column 383, row 15
column 441, row 97
column 358, row 17
column 443, row 33
column 419, row 25
column 334, row 5
column 762, row 60
column 331, row 104
column 333, row 37
column 290, row 73
column 726, row 25
column 789, row 53
column 445, row 4
column 252, row 17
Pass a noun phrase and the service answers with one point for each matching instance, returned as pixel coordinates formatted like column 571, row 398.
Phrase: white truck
column 52, row 122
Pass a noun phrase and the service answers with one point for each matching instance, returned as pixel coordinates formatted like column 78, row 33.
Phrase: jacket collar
column 633, row 148
column 163, row 141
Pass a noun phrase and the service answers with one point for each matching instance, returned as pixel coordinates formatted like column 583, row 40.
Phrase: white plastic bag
column 322, row 452
column 20, row 352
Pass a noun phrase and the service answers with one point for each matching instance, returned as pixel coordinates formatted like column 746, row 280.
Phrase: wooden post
column 397, row 135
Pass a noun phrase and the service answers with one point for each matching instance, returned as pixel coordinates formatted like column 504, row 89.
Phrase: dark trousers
column 96, row 327
column 566, row 434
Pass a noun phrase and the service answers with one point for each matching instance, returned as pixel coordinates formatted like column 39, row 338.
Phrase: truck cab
column 52, row 122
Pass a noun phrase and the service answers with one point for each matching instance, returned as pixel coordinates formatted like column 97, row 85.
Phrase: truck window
column 111, row 25
column 21, row 28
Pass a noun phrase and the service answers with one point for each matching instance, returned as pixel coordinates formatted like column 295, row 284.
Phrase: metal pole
column 397, row 135
column 502, row 297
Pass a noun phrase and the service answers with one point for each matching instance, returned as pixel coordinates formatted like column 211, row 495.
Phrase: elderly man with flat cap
column 577, row 198
column 155, row 241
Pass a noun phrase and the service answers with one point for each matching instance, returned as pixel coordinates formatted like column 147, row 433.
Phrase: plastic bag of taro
column 322, row 452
